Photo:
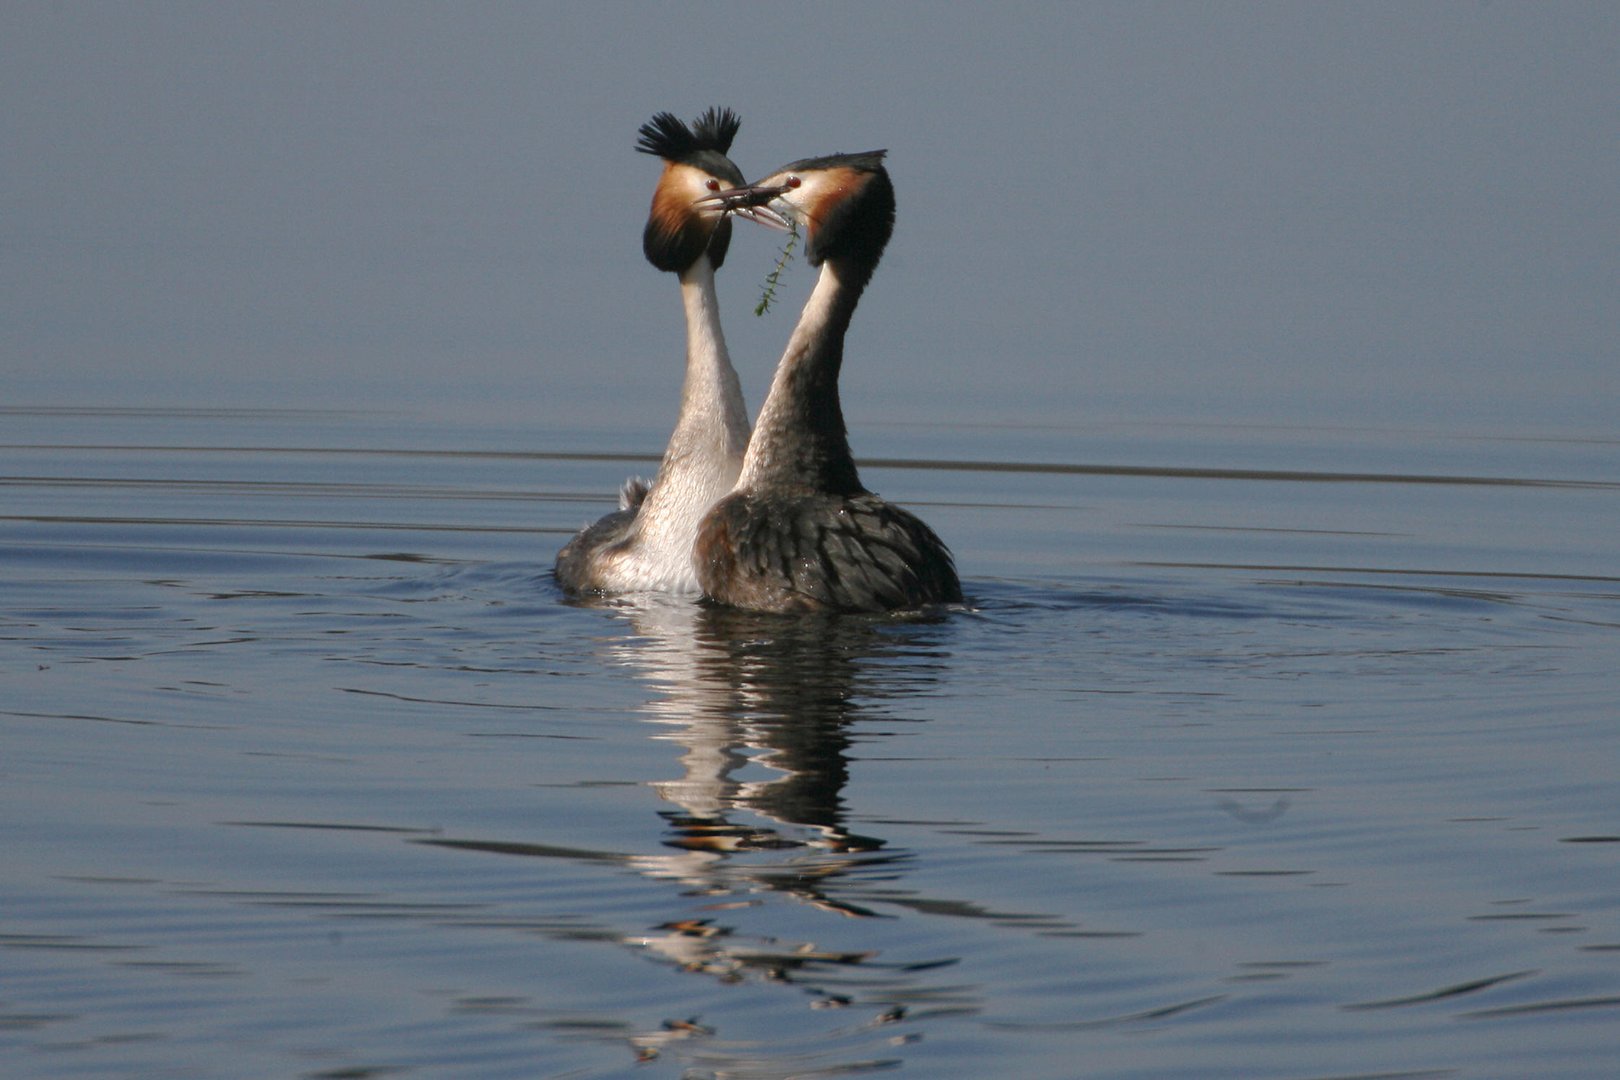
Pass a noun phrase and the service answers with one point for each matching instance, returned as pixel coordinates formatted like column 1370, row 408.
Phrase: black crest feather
column 668, row 137
column 716, row 128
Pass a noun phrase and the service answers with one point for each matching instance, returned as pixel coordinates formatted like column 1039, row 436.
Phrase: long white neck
column 801, row 441
column 713, row 418
column 705, row 453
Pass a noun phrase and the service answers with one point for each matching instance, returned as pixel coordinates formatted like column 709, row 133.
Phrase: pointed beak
column 750, row 201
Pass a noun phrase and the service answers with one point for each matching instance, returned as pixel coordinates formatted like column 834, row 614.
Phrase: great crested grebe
column 646, row 545
column 799, row 532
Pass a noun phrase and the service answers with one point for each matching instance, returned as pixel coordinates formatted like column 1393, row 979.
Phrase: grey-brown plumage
column 799, row 532
column 775, row 551
column 577, row 562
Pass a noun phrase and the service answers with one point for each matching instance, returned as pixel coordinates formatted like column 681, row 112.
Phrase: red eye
column 712, row 184
column 794, row 181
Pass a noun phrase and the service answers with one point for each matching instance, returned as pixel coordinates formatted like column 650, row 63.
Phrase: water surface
column 1258, row 751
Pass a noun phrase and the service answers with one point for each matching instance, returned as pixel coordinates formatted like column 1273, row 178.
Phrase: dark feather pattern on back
column 770, row 552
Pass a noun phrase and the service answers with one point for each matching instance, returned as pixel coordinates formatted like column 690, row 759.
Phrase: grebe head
column 844, row 203
column 680, row 226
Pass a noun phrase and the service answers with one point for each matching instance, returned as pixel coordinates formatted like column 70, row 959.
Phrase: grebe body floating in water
column 646, row 545
column 799, row 532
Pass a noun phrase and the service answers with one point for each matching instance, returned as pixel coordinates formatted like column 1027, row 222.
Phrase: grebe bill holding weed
column 800, row 532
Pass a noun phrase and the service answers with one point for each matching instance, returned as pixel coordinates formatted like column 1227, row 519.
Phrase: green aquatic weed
column 769, row 295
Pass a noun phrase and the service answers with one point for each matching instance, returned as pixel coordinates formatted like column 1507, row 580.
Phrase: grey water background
column 1258, row 362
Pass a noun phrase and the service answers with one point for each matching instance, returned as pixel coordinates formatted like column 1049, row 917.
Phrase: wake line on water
column 1181, row 472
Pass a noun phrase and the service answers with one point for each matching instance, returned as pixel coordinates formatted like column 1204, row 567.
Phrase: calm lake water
column 1257, row 752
